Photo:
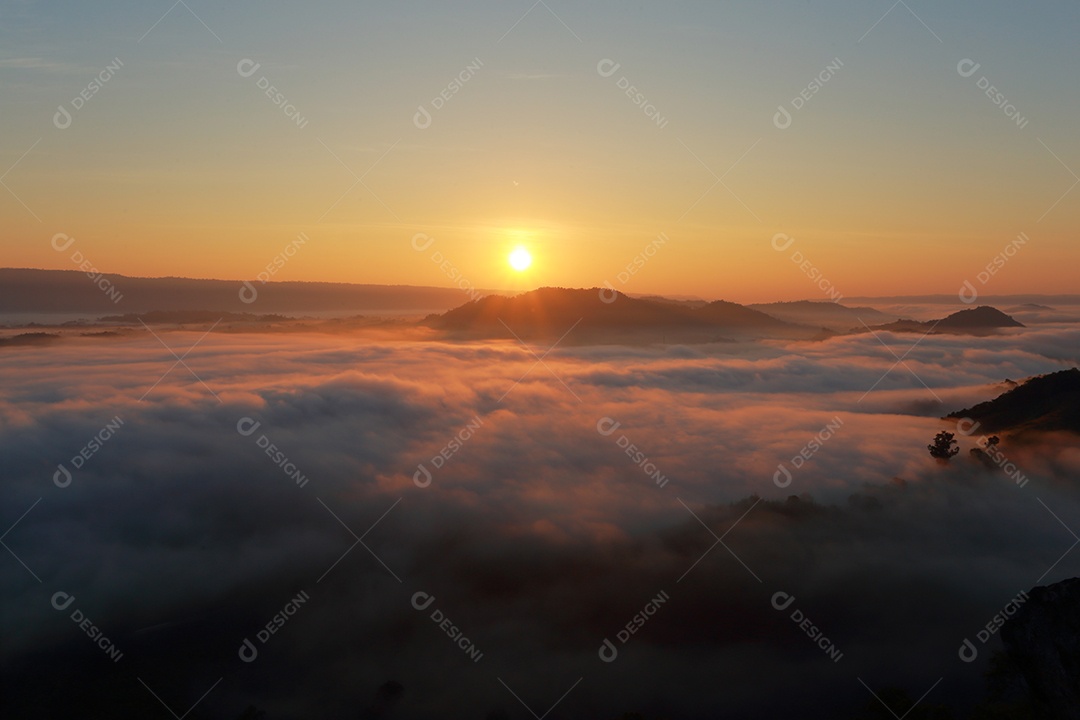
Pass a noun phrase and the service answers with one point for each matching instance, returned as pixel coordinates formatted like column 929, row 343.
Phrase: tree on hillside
column 943, row 449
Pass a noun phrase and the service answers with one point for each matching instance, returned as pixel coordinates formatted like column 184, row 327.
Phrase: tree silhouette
column 943, row 449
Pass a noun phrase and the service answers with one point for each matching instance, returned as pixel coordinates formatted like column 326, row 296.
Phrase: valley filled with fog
column 185, row 486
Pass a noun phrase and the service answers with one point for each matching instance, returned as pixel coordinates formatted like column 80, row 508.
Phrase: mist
column 542, row 505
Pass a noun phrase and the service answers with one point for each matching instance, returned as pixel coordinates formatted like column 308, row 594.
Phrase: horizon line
column 936, row 296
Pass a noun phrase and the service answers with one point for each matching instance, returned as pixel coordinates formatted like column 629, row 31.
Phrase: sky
column 861, row 130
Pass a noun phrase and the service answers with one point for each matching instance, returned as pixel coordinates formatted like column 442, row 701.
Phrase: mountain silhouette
column 551, row 312
column 983, row 316
column 1042, row 640
column 70, row 291
column 821, row 312
column 1043, row 403
column 975, row 321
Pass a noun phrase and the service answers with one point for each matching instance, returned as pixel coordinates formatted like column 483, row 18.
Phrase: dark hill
column 1045, row 402
column 550, row 312
column 733, row 315
column 1043, row 642
column 31, row 338
column 980, row 317
column 976, row 321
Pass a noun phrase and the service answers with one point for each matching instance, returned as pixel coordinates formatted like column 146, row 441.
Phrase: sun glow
column 520, row 259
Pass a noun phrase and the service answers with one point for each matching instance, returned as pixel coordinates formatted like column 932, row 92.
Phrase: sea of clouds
column 537, row 535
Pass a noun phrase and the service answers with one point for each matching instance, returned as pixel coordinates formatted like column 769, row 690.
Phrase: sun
column 520, row 259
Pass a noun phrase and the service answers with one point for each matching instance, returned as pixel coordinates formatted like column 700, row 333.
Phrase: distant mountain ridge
column 819, row 312
column 972, row 320
column 56, row 291
column 1042, row 403
column 550, row 312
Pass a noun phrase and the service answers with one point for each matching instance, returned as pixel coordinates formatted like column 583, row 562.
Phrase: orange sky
column 899, row 174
